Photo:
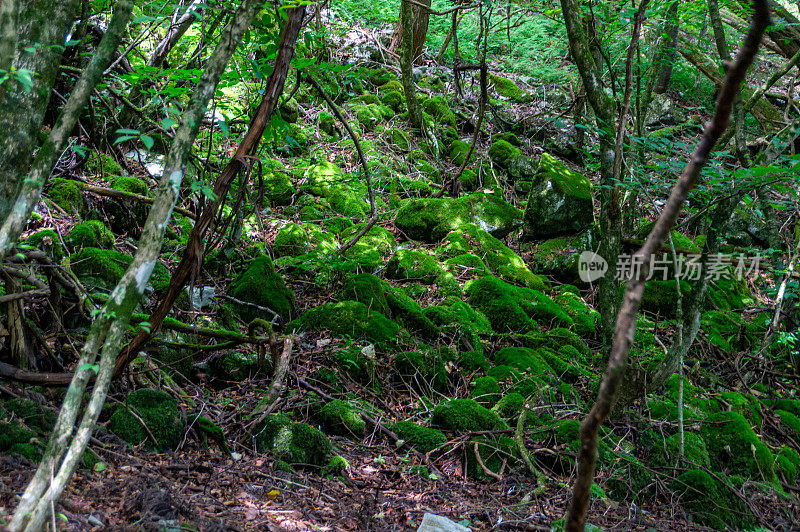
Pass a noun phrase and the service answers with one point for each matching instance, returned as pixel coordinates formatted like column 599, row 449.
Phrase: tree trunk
column 406, row 62
column 667, row 49
column 421, row 18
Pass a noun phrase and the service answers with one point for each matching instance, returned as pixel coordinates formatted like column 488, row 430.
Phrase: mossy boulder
column 501, row 152
column 348, row 318
column 424, row 370
column 466, row 415
column 394, row 100
column 278, row 187
column 423, row 439
column 327, row 123
column 788, row 462
column 737, row 449
column 560, row 201
column 160, row 414
column 369, row 251
column 369, row 116
column 458, row 152
column 261, row 285
column 346, row 195
column 131, row 184
column 11, row 434
column 48, row 241
column 559, row 257
column 514, row 308
column 498, row 453
column 510, row 405
column 295, row 443
column 68, row 195
column 790, row 423
column 31, row 413
column 233, row 366
column 290, row 110
column 340, row 417
column 93, row 233
column 413, row 265
column 665, row 453
column 102, row 165
column 295, row 239
column 507, row 88
column 486, row 391
column 431, row 219
column 439, row 109
column 501, row 260
column 711, row 502
column 400, row 139
column 103, row 268
column 461, row 322
column 660, row 296
column 586, row 319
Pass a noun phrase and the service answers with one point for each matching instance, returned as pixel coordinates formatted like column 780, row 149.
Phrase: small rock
column 437, row 523
column 94, row 521
column 202, row 296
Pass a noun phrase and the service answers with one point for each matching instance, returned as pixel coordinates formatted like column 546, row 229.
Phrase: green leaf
column 168, row 122
column 148, row 142
column 100, row 466
column 126, row 131
column 125, row 138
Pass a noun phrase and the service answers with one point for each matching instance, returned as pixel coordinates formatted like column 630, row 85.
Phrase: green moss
column 660, row 296
column 234, row 366
column 290, row 110
column 460, row 321
column 393, row 100
column 556, row 339
column 297, row 443
column 160, row 414
column 665, row 454
column 788, row 462
column 424, row 370
column 466, row 263
column 486, row 391
column 630, row 478
column 67, row 195
column 368, row 116
column 501, row 152
column 278, row 187
column 26, row 450
column 500, row 259
column 355, row 364
column 392, row 85
column 439, row 109
column 413, row 265
column 348, row 318
column 298, row 239
column 130, row 184
column 369, row 251
column 102, row 165
column 31, row 414
column 340, row 417
column 514, row 308
column 47, row 240
column 473, row 361
column 458, row 152
column 261, row 285
column 346, row 195
column 737, row 448
column 399, row 138
column 509, row 137
column 336, row 466
column 791, row 422
column 423, row 439
column 430, row 219
column 103, row 268
column 509, row 406
column 507, row 88
column 497, row 453
column 711, row 502
column 93, row 233
column 586, row 319
column 327, row 123
column 466, row 415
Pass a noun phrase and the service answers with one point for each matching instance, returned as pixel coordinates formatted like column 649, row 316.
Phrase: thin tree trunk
column 626, row 322
column 670, row 40
column 64, row 451
column 406, row 65
column 193, row 255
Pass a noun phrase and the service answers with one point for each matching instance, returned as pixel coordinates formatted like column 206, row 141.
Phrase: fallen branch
column 119, row 194
column 267, row 404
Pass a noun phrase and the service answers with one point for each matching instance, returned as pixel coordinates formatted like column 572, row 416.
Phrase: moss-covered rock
column 394, row 100
column 92, row 234
column 523, row 359
column 486, row 391
column 233, row 366
column 48, row 241
column 348, row 318
column 103, row 268
column 660, row 296
column 507, row 88
column 298, row 239
column 261, row 285
column 737, row 449
column 557, row 339
column 346, row 195
column 131, row 184
column 424, row 370
column 586, row 319
column 12, row 433
column 430, row 219
column 278, row 187
column 497, row 453
column 67, row 195
column 560, row 201
column 665, row 453
column 439, row 109
column 711, row 502
column 458, row 152
column 399, row 138
column 501, row 152
column 790, row 422
column 104, row 166
column 466, row 415
column 161, row 416
column 340, row 417
column 413, row 265
column 788, row 462
column 514, row 308
column 423, row 439
column 501, row 260
column 463, row 323
column 290, row 110
column 296, row 443
column 369, row 251
column 369, row 116
column 31, row 413
column 509, row 406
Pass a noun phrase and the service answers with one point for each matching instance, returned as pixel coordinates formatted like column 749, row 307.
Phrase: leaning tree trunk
column 626, row 322
column 41, row 25
column 64, row 450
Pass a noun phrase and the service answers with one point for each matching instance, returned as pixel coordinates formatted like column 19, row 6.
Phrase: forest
column 435, row 265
